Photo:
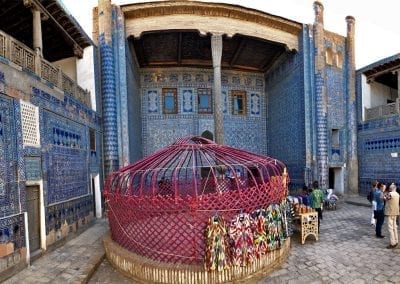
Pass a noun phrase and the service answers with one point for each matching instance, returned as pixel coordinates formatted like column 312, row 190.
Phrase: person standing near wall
column 392, row 211
column 372, row 200
column 316, row 200
column 379, row 214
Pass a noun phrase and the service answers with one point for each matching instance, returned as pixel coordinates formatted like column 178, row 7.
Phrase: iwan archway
column 254, row 80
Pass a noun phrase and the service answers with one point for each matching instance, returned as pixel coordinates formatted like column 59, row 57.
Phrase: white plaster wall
column 380, row 94
column 85, row 74
column 339, row 181
column 375, row 94
column 68, row 66
column 366, row 94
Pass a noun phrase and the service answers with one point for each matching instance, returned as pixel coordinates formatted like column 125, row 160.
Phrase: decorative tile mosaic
column 10, row 191
column 255, row 104
column 153, row 101
column 187, row 98
column 67, row 212
column 225, row 101
column 159, row 130
column 33, row 168
column 66, row 161
column 12, row 229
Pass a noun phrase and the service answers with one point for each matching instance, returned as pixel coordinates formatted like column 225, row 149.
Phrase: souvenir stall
column 198, row 212
column 305, row 218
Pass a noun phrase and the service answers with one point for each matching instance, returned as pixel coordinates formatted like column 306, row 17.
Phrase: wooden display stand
column 308, row 225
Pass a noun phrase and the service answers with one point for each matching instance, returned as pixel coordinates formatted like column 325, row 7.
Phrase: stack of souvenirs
column 247, row 236
column 298, row 206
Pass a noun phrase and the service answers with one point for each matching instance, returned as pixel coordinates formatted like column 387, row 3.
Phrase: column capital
column 78, row 51
column 35, row 8
column 216, row 49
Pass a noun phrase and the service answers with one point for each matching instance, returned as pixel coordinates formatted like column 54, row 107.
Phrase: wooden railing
column 383, row 110
column 23, row 56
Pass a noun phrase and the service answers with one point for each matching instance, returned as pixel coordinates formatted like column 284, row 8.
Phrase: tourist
column 317, row 200
column 304, row 196
column 379, row 213
column 372, row 200
column 392, row 211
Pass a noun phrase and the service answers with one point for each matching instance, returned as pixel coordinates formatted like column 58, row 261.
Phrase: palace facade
column 243, row 77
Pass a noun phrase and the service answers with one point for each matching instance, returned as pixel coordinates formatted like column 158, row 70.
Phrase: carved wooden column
column 398, row 83
column 37, row 31
column 216, row 49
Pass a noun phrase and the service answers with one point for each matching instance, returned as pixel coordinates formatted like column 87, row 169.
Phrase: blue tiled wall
column 134, row 108
column 159, row 130
column 9, row 188
column 286, row 116
column 335, row 90
column 377, row 139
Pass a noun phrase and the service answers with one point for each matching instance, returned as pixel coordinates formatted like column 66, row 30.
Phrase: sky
column 377, row 27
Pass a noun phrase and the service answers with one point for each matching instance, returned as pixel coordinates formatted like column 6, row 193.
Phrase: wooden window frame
column 167, row 92
column 205, row 92
column 236, row 94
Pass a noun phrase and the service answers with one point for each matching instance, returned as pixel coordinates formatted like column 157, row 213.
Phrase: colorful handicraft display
column 274, row 227
column 217, row 247
column 260, row 234
column 241, row 240
column 288, row 214
column 249, row 236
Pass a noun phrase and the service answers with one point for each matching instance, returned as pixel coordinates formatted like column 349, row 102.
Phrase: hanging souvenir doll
column 286, row 210
column 279, row 222
column 291, row 214
column 241, row 240
column 273, row 230
column 217, row 248
column 259, row 232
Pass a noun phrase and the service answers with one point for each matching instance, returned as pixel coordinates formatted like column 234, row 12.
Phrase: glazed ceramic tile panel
column 66, row 159
column 242, row 131
column 9, row 190
column 335, row 91
column 286, row 117
column 377, row 139
column 67, row 212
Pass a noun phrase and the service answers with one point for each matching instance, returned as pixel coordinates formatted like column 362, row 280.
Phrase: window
column 339, row 60
column 92, row 139
column 205, row 100
column 169, row 101
column 30, row 124
column 239, row 102
column 329, row 56
column 335, row 137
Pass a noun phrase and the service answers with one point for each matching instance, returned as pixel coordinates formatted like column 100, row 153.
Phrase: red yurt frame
column 158, row 207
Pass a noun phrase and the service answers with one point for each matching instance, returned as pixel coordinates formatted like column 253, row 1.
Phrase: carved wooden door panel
column 32, row 207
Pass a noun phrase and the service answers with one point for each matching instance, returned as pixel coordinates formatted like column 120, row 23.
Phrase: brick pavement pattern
column 74, row 262
column 347, row 252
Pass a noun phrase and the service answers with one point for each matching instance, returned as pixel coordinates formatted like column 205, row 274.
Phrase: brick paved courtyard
column 347, row 252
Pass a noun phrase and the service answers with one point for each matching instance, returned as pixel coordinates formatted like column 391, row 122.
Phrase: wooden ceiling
column 60, row 31
column 189, row 48
column 385, row 73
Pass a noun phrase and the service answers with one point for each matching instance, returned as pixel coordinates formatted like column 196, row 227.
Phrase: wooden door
column 33, row 209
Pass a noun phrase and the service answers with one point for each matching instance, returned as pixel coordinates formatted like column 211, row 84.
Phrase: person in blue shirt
column 379, row 212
